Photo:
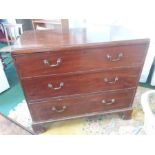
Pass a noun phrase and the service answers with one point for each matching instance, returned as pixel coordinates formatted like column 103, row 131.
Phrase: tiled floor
column 9, row 127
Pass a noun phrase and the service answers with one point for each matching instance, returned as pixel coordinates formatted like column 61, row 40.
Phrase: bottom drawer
column 81, row 105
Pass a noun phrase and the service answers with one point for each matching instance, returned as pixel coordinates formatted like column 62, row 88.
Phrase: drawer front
column 44, row 87
column 79, row 60
column 82, row 105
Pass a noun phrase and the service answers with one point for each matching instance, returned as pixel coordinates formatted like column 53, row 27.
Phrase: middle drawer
column 53, row 86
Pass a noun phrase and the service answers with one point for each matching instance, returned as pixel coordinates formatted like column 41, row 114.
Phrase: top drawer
column 59, row 62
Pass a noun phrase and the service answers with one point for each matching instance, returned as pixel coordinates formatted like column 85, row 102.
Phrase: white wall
column 4, row 85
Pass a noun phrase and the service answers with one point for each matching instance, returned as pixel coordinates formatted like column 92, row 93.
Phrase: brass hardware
column 56, row 88
column 59, row 61
column 59, row 110
column 112, row 81
column 108, row 102
column 109, row 57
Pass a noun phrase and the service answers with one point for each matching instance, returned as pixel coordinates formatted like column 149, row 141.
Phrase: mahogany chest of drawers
column 65, row 75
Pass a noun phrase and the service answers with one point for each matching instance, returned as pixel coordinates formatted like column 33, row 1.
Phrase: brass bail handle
column 59, row 110
column 108, row 102
column 58, row 62
column 111, row 81
column 120, row 55
column 50, row 85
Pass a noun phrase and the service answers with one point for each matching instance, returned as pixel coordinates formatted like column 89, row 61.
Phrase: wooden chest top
column 45, row 40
